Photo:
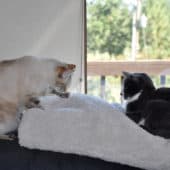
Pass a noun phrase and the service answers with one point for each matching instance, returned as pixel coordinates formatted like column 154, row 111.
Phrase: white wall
column 47, row 28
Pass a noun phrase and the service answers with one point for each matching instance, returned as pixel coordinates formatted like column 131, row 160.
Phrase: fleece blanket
column 90, row 126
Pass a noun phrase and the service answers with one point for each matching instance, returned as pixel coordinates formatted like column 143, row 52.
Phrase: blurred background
column 126, row 30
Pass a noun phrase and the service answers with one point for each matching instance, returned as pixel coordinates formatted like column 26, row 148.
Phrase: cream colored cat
column 23, row 80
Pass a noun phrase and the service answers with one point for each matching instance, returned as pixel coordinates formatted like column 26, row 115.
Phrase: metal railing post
column 102, row 87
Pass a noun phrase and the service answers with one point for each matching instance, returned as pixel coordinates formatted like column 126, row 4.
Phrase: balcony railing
column 115, row 68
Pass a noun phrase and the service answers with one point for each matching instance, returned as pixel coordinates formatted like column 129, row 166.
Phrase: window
column 126, row 35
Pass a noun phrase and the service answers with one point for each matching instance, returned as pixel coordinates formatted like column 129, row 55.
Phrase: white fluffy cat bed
column 89, row 126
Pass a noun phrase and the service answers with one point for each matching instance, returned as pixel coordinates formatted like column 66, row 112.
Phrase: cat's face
column 63, row 76
column 130, row 85
column 134, row 83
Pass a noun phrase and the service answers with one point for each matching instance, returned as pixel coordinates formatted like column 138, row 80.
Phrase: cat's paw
column 60, row 94
column 63, row 95
column 7, row 137
column 33, row 102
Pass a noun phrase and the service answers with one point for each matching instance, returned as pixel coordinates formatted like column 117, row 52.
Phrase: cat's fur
column 23, row 80
column 146, row 105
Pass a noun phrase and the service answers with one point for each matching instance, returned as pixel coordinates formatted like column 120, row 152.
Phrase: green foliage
column 108, row 25
column 109, row 28
column 158, row 28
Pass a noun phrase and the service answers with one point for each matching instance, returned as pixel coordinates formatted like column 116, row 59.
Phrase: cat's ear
column 126, row 74
column 62, row 70
column 71, row 67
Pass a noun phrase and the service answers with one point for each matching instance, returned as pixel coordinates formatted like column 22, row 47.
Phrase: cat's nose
column 71, row 66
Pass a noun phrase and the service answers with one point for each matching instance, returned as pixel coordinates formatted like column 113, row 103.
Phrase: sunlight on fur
column 23, row 80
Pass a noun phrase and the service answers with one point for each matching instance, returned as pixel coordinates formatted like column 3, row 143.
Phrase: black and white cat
column 147, row 106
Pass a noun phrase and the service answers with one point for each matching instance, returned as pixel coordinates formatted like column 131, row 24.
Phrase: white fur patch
column 131, row 99
column 142, row 122
column 134, row 97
